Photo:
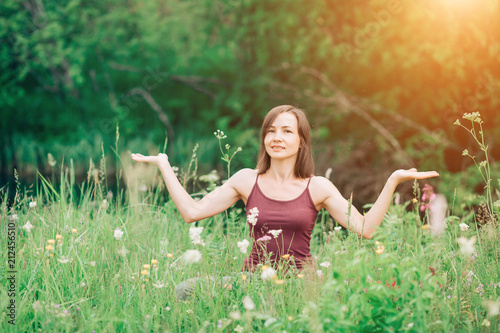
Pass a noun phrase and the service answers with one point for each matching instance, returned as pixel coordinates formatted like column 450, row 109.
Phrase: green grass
column 90, row 283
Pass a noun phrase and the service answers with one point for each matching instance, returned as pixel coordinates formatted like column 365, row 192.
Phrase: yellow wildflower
column 265, row 267
column 425, row 226
column 51, row 241
column 58, row 237
column 243, row 277
column 300, row 276
column 154, row 261
column 278, row 281
column 286, row 256
column 170, row 255
column 74, row 230
column 145, row 272
column 415, row 200
column 146, row 266
column 49, row 248
column 379, row 250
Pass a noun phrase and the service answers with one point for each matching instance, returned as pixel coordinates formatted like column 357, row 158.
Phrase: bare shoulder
column 320, row 183
column 321, row 189
column 244, row 175
column 243, row 181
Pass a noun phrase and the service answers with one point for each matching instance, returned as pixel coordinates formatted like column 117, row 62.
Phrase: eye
column 270, row 131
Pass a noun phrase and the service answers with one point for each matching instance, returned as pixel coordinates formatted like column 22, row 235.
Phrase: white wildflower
column 64, row 260
column 195, row 235
column 463, row 226
column 159, row 285
column 33, row 204
column 319, row 272
column 239, row 329
column 104, row 204
column 212, row 177
column 191, row 256
column 13, row 217
column 123, row 251
column 275, row 233
column 51, row 160
column 118, row 233
column 175, row 169
column 248, row 303
column 143, row 188
column 466, row 245
column 243, row 245
column 167, row 308
column 82, row 284
column 236, row 315
column 268, row 274
column 92, row 263
column 28, row 226
column 220, row 135
column 325, row 264
column 493, row 308
column 252, row 217
column 337, row 228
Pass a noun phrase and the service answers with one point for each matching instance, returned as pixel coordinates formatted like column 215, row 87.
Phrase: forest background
column 381, row 81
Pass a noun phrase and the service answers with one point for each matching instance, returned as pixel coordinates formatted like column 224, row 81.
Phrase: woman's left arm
column 349, row 217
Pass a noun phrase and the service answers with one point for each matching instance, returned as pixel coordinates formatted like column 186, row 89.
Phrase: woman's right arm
column 213, row 203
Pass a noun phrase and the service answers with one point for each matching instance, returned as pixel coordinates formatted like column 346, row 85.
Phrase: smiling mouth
column 277, row 148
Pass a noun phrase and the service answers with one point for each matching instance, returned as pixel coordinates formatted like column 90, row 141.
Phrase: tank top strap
column 309, row 181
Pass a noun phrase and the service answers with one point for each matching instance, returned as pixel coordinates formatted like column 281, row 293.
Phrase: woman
column 282, row 195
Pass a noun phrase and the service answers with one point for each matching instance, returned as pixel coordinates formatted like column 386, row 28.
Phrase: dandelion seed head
column 325, row 264
column 466, row 245
column 191, row 256
column 248, row 303
column 268, row 273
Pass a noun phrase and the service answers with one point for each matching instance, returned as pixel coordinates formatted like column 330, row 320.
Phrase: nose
column 277, row 135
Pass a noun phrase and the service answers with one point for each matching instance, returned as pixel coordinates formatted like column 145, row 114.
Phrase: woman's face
column 282, row 139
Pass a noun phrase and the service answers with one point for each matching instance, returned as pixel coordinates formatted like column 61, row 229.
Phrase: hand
column 403, row 175
column 156, row 160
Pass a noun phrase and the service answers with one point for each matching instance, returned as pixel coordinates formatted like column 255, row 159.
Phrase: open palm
column 404, row 175
column 150, row 159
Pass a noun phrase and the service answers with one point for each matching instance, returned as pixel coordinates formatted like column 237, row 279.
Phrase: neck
column 282, row 171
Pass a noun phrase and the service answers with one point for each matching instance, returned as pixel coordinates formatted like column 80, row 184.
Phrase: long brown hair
column 304, row 166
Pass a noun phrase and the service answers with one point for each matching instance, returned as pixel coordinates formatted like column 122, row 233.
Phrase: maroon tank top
column 294, row 217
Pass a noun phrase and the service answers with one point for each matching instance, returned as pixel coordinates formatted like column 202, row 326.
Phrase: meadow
column 87, row 258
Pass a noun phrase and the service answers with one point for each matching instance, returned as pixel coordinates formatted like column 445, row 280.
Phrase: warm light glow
column 463, row 3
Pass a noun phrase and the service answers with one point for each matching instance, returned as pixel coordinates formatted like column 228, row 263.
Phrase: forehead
column 285, row 119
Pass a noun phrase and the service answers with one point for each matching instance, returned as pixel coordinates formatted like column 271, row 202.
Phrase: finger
column 428, row 174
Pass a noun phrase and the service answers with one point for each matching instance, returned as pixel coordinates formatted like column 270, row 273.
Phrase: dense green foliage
column 377, row 78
